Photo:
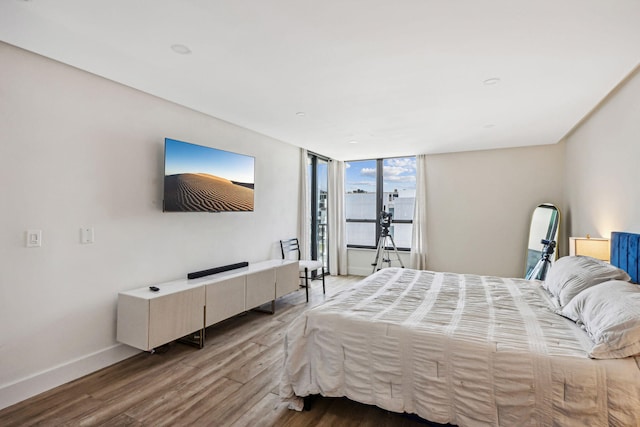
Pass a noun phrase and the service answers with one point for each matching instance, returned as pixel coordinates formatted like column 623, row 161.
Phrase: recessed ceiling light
column 491, row 81
column 353, row 141
column 181, row 49
column 300, row 114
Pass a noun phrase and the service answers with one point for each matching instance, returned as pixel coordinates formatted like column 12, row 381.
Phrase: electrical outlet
column 34, row 238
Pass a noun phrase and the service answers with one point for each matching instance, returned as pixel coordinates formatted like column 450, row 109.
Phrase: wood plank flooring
column 233, row 381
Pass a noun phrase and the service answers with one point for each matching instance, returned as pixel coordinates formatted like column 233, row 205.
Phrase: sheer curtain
column 337, row 222
column 304, row 209
column 418, row 255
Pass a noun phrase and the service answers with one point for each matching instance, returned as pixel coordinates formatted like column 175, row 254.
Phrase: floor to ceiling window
column 318, row 184
column 376, row 186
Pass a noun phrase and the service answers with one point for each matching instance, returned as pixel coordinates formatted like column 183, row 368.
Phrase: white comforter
column 461, row 349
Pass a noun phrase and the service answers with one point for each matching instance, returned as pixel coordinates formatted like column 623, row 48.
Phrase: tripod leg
column 538, row 272
column 385, row 254
column 395, row 249
column 376, row 262
column 545, row 269
column 381, row 245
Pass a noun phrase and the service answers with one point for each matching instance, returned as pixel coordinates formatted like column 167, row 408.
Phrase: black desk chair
column 291, row 250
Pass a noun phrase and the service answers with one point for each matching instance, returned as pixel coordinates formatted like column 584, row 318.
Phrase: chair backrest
column 289, row 246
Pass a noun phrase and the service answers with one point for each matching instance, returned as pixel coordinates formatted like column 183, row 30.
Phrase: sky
column 398, row 173
column 183, row 157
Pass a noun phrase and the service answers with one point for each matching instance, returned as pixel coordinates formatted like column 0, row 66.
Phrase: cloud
column 397, row 173
column 395, row 170
column 398, row 167
column 400, row 178
column 368, row 172
column 402, row 162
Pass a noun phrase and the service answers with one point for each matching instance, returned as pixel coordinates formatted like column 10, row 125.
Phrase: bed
column 480, row 351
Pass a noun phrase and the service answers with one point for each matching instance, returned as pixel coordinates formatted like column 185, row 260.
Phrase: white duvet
column 460, row 349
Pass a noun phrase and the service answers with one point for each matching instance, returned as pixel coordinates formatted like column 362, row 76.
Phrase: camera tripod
column 540, row 270
column 383, row 249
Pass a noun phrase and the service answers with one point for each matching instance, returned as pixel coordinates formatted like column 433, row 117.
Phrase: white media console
column 148, row 319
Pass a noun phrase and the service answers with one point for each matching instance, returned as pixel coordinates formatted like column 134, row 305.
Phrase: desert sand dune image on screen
column 189, row 192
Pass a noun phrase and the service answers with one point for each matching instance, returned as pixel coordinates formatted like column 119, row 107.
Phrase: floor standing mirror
column 543, row 239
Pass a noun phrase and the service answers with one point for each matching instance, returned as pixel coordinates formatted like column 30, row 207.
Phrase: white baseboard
column 42, row 381
column 359, row 271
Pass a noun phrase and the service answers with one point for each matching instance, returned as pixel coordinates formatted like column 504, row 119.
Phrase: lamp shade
column 593, row 247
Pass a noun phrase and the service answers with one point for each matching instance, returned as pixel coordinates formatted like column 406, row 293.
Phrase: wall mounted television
column 205, row 179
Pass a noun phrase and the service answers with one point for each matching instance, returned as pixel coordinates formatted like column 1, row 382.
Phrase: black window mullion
column 379, row 197
column 314, row 207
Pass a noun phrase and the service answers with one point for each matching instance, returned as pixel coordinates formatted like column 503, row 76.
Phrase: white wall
column 480, row 205
column 602, row 170
column 79, row 150
column 479, row 209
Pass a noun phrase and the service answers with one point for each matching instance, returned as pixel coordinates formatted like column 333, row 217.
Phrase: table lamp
column 588, row 246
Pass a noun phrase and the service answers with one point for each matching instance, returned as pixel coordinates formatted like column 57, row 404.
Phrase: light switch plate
column 86, row 235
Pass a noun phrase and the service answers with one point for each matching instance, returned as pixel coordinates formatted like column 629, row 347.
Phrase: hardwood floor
column 232, row 381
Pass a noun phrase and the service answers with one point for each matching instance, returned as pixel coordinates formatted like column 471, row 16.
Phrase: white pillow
column 610, row 313
column 570, row 275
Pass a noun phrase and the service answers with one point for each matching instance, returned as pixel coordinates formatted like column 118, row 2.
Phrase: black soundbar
column 202, row 273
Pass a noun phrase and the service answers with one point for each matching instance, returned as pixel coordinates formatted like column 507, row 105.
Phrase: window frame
column 379, row 205
column 315, row 223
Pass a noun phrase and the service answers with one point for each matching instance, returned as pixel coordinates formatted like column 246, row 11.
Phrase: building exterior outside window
column 377, row 185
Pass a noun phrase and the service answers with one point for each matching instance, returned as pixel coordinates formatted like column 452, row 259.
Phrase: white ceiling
column 400, row 77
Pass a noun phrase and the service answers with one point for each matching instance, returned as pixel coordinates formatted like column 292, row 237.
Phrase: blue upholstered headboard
column 625, row 253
